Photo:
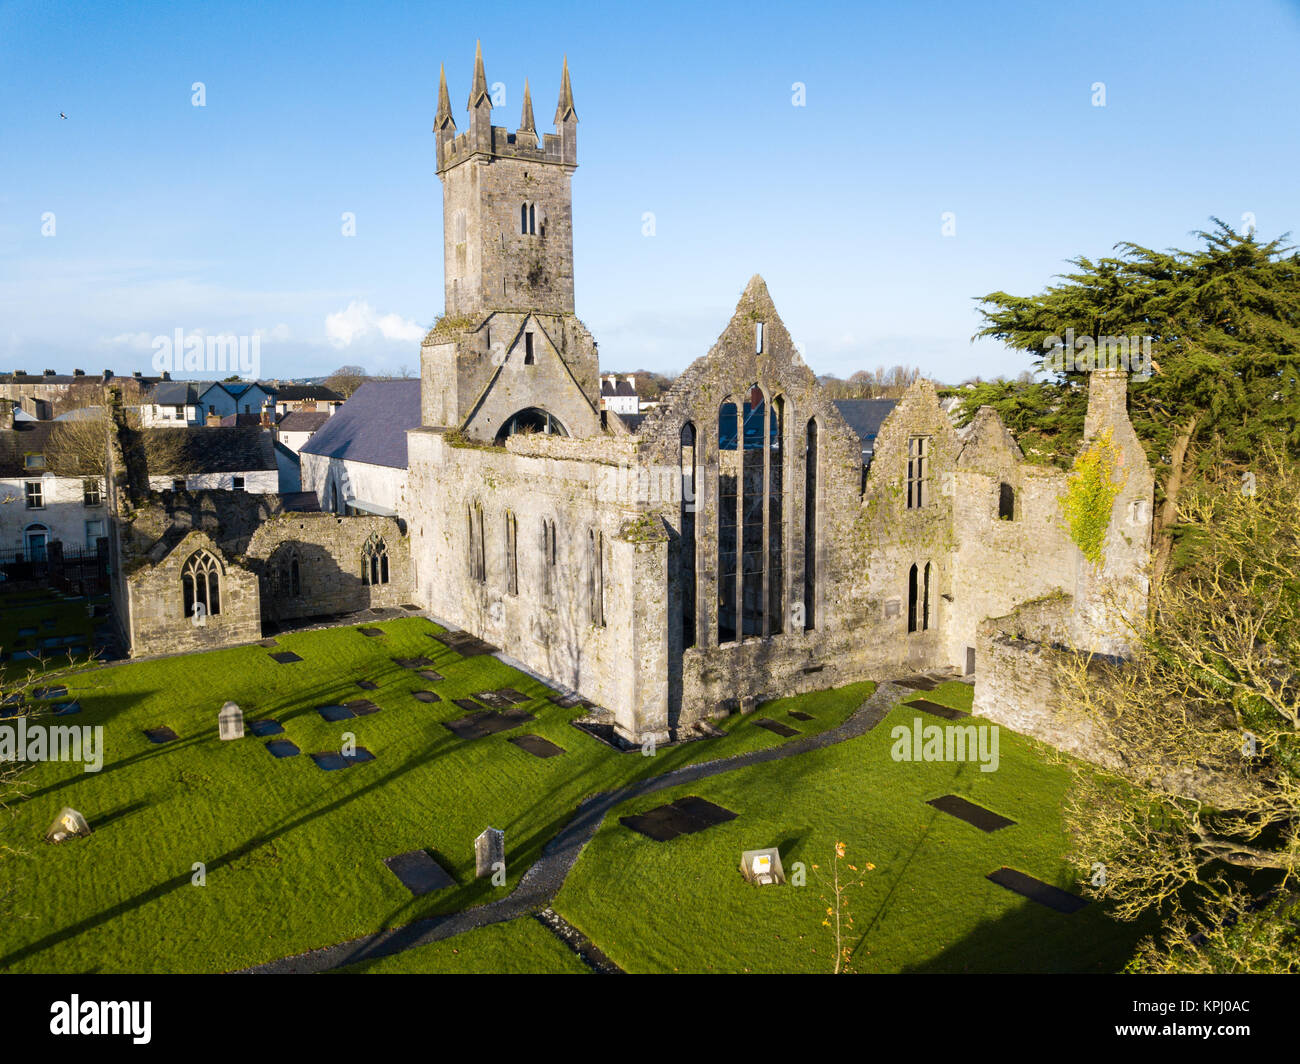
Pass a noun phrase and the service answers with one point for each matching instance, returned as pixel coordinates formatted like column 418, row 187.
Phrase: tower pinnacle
column 564, row 109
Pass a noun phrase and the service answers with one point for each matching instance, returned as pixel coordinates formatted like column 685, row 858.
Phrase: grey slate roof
column 238, row 449
column 371, row 426
column 291, row 393
column 865, row 416
column 26, row 437
column 303, row 420
column 174, row 393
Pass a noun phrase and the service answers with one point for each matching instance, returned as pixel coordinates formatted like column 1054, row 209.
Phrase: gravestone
column 230, row 722
column 762, row 867
column 489, row 851
column 67, row 825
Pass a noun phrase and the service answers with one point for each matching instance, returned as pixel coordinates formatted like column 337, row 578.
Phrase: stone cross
column 489, row 852
column 68, row 824
column 230, row 722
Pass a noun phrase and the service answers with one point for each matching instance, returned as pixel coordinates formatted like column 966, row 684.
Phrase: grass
column 23, row 610
column 926, row 906
column 292, row 854
column 520, row 947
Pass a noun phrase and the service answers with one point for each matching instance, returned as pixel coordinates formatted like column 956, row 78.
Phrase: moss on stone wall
column 1089, row 495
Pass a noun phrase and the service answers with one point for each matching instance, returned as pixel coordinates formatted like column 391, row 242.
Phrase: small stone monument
column 67, row 825
column 762, row 867
column 230, row 722
column 489, row 852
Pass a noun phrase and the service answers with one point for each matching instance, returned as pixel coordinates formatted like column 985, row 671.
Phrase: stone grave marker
column 230, row 722
column 67, row 825
column 489, row 851
column 762, row 867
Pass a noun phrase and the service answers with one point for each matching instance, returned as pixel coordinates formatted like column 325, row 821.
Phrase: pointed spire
column 526, row 119
column 444, row 101
column 564, row 109
column 479, row 89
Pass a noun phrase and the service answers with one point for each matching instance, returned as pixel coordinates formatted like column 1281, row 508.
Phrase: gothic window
column 810, row 511
column 528, row 219
column 531, row 419
column 918, row 471
column 477, row 560
column 374, row 560
column 290, row 573
column 512, row 555
column 687, row 563
column 1006, row 502
column 918, row 598
column 458, row 226
column 596, row 577
column 548, row 559
column 201, row 583
column 529, row 357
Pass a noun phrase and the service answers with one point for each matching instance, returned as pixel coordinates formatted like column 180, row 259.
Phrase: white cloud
column 360, row 319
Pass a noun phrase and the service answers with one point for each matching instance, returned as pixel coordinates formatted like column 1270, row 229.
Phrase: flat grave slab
column 285, row 657
column 282, row 748
column 330, row 760
column 468, row 704
column 799, row 714
column 266, row 726
column 571, row 700
column 67, row 709
column 359, row 756
column 975, row 815
column 161, row 735
column 53, row 641
column 426, row 696
column 682, row 817
column 49, row 623
column 512, row 696
column 946, row 712
column 491, row 698
column 414, row 663
column 10, row 709
column 335, row 713
column 368, row 685
column 487, row 722
column 783, row 730
column 56, row 691
column 23, row 633
column 410, row 607
column 269, row 643
column 371, row 632
column 918, row 683
column 432, row 675
column 1036, row 890
column 536, row 745
column 419, row 873
column 361, row 707
column 464, row 643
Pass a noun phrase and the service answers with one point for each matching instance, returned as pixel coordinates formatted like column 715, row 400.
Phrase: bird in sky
column 62, row 115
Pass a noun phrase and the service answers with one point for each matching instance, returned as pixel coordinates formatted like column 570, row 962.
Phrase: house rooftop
column 371, row 427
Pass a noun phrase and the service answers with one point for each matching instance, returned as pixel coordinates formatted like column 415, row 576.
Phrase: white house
column 171, row 404
column 38, row 506
column 298, row 426
column 356, row 462
column 619, row 396
column 234, row 458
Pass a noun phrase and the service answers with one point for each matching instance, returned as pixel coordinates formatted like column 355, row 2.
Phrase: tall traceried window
column 687, row 562
column 918, row 472
column 548, row 559
column 918, row 598
column 374, row 560
column 474, row 543
column 528, row 219
column 288, row 573
column 201, row 583
column 810, row 520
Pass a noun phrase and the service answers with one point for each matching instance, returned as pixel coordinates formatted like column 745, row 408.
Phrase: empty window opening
column 475, row 556
column 729, row 462
column 512, row 555
column 596, row 577
column 532, row 419
column 810, row 521
column 1006, row 502
column 918, row 598
column 548, row 559
column 758, row 338
column 687, row 560
column 918, row 471
column 529, row 357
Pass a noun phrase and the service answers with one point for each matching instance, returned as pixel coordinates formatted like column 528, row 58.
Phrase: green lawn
column 520, row 947
column 294, row 854
column 22, row 630
column 926, row 906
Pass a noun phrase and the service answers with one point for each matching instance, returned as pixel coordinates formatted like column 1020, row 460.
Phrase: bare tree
column 346, row 379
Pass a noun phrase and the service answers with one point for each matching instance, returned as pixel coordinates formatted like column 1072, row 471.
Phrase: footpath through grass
column 293, row 855
column 682, row 905
column 520, row 947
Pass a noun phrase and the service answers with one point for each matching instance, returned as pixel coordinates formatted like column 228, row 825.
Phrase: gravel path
column 544, row 879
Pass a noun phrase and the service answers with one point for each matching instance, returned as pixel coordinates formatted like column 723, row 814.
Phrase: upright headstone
column 762, row 867
column 230, row 722
column 489, row 852
column 67, row 825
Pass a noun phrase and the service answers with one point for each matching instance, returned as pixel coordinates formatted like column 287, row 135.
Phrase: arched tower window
column 374, row 560
column 528, row 219
column 531, row 419
column 201, row 583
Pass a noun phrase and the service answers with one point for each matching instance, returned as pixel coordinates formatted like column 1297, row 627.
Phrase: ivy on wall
column 1089, row 495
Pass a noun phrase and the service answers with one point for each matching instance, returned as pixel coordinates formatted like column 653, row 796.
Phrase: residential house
column 43, row 495
column 314, row 397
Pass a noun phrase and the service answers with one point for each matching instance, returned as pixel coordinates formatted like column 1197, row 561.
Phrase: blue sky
column 226, row 218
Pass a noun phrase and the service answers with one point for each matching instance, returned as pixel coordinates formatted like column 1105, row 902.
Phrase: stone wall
column 328, row 550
